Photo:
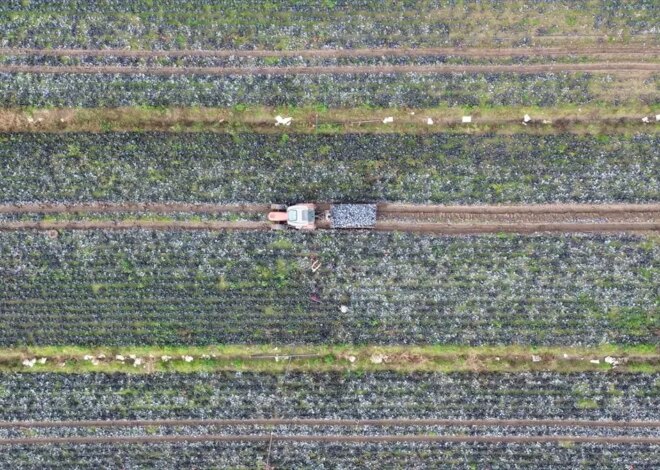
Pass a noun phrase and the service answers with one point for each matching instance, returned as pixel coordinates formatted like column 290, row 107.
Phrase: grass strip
column 266, row 358
column 591, row 119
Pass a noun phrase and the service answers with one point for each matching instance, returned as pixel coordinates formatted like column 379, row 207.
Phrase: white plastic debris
column 119, row 357
column 657, row 117
column 187, row 358
column 645, row 119
column 137, row 362
column 352, row 359
column 565, row 356
column 467, row 119
column 284, row 121
column 497, row 358
column 343, row 309
column 377, row 358
column 526, row 118
column 536, row 358
column 101, row 356
column 87, row 357
column 595, row 361
column 611, row 360
column 429, row 121
column 43, row 360
column 547, row 121
column 165, row 358
column 29, row 362
column 206, row 356
column 388, row 119
column 412, row 113
column 131, row 356
column 95, row 362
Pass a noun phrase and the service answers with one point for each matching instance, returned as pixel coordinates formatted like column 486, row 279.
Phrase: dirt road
column 327, row 438
column 391, row 217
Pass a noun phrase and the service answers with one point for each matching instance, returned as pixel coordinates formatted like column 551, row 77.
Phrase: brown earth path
column 641, row 51
column 386, row 207
column 618, row 68
column 438, row 228
column 391, row 217
column 327, row 438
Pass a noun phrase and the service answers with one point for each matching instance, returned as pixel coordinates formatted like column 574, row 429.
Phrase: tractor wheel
column 278, row 207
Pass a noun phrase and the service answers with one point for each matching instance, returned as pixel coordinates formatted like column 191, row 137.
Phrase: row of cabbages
column 238, row 60
column 341, row 395
column 180, row 429
column 295, row 25
column 333, row 90
column 292, row 455
column 143, row 287
column 266, row 168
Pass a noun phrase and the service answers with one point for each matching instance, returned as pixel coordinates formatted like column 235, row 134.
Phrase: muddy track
column 110, row 208
column 384, row 208
column 618, row 68
column 602, row 209
column 211, row 225
column 438, row 228
column 600, row 52
column 333, row 422
column 391, row 217
column 479, row 228
column 329, row 438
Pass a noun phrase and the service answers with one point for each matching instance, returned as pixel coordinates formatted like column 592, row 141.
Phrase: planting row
column 371, row 395
column 332, row 455
column 310, row 24
column 379, row 90
column 141, row 287
column 436, row 168
column 191, row 60
column 183, row 430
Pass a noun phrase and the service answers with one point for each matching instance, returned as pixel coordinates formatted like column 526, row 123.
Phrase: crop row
column 296, row 25
column 379, row 90
column 301, row 61
column 181, row 429
column 142, row 287
column 371, row 395
column 327, row 456
column 436, row 168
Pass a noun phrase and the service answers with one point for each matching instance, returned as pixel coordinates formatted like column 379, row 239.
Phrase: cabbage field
column 221, row 168
column 172, row 288
column 159, row 309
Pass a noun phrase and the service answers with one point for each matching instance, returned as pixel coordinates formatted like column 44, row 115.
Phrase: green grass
column 318, row 118
column 266, row 358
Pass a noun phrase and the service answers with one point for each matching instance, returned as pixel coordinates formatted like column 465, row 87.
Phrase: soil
column 391, row 217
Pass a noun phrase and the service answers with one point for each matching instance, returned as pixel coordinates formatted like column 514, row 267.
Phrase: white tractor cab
column 300, row 216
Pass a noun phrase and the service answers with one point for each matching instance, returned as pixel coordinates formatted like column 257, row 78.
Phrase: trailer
column 339, row 216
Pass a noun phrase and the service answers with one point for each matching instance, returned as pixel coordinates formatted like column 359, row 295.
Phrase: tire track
column 467, row 229
column 385, row 208
column 329, row 438
column 618, row 68
column 439, row 228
